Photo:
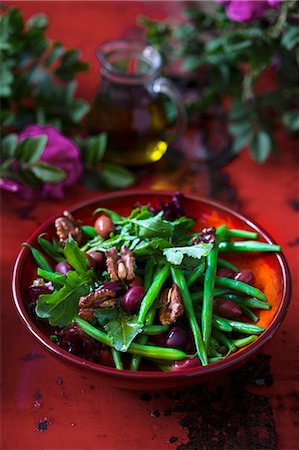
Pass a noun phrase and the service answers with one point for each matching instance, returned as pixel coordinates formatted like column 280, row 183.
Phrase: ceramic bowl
column 270, row 270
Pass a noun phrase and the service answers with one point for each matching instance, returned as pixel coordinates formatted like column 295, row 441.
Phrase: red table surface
column 80, row 412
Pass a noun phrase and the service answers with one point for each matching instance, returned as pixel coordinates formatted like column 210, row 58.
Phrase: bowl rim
column 233, row 360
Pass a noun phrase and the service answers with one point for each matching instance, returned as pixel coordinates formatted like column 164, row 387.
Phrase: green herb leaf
column 149, row 247
column 61, row 306
column 89, row 231
column 154, row 227
column 57, row 278
column 75, row 257
column 105, row 315
column 39, row 258
column 175, row 255
column 123, row 330
column 9, row 146
column 260, row 146
column 50, row 249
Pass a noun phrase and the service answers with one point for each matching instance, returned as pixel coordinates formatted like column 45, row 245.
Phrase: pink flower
column 60, row 152
column 247, row 10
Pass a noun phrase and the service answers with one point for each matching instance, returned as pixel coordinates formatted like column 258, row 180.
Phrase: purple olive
column 225, row 272
column 159, row 339
column 177, row 337
column 187, row 363
column 96, row 260
column 62, row 267
column 246, row 276
column 132, row 299
column 115, row 286
column 226, row 308
column 104, row 226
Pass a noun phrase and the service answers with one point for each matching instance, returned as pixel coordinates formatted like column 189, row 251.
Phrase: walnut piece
column 88, row 304
column 171, row 305
column 67, row 226
column 120, row 267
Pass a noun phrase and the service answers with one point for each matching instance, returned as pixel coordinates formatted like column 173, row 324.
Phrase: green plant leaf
column 61, row 306
column 154, row 227
column 78, row 109
column 291, row 120
column 260, row 146
column 290, row 38
column 175, row 255
column 50, row 249
column 116, row 218
column 95, row 149
column 30, row 149
column 37, row 21
column 39, row 258
column 75, row 257
column 123, row 331
column 115, row 176
column 47, row 173
column 105, row 315
column 9, row 146
column 57, row 278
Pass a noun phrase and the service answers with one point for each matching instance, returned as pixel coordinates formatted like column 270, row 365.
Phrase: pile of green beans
column 214, row 337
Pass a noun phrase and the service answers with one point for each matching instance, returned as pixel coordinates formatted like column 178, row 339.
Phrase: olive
column 104, row 226
column 246, row 276
column 62, row 267
column 225, row 272
column 115, row 286
column 96, row 260
column 177, row 337
column 159, row 339
column 137, row 281
column 226, row 308
column 132, row 299
column 187, row 363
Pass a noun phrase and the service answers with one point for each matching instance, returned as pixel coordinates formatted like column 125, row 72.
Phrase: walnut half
column 120, row 267
column 171, row 305
column 88, row 304
column 67, row 226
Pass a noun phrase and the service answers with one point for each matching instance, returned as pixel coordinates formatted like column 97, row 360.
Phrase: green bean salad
column 146, row 290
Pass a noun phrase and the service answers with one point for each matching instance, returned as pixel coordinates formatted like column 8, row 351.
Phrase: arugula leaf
column 89, row 231
column 106, row 315
column 154, row 227
column 50, row 249
column 75, row 257
column 123, row 330
column 175, row 255
column 39, row 258
column 61, row 306
column 151, row 246
column 57, row 278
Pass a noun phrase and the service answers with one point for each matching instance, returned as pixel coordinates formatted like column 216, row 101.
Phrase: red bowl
column 270, row 270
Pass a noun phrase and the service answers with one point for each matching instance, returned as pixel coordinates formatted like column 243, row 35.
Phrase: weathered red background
column 82, row 413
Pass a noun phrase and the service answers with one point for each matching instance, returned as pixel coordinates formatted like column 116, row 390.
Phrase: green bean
column 147, row 351
column 227, row 265
column 224, row 340
column 216, row 359
column 152, row 330
column 244, row 341
column 247, row 312
column 247, row 301
column 195, row 274
column 232, row 233
column 213, row 352
column 241, row 287
column 248, row 246
column 242, row 327
column 148, row 273
column 219, row 324
column 208, row 290
column 149, row 319
column 152, row 293
column 218, row 292
column 117, row 359
column 179, row 279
